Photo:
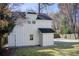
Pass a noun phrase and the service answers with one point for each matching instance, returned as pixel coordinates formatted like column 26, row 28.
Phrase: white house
column 33, row 29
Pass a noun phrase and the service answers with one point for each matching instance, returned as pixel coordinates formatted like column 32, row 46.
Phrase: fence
column 68, row 36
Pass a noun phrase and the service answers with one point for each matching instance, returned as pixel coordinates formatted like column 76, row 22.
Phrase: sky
column 34, row 6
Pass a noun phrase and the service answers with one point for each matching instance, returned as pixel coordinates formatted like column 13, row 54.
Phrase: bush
column 4, row 31
column 66, row 30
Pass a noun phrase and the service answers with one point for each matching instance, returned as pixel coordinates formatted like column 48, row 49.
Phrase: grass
column 49, row 51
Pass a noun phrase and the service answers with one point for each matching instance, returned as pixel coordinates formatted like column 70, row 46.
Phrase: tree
column 2, row 8
column 64, row 28
column 56, row 21
column 5, row 22
column 42, row 6
column 15, row 6
column 70, row 11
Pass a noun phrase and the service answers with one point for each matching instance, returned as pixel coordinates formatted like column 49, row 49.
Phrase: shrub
column 65, row 29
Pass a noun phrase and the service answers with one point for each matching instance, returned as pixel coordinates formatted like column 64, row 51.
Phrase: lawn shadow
column 33, row 51
column 55, row 50
column 64, row 45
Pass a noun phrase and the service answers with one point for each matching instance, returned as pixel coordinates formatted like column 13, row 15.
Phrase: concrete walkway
column 66, row 40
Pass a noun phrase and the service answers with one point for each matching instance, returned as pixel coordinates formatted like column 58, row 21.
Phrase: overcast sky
column 34, row 6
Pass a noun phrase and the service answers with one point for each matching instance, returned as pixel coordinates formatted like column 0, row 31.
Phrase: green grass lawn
column 49, row 51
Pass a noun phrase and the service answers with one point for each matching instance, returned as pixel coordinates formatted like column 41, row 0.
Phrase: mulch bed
column 6, row 51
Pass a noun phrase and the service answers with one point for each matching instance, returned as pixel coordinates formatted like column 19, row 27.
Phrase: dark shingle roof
column 19, row 14
column 42, row 16
column 46, row 30
column 31, row 13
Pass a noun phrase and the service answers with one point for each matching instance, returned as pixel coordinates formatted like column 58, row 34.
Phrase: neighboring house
column 32, row 29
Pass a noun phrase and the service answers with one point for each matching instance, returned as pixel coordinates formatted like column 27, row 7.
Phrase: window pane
column 31, row 37
column 29, row 22
column 33, row 22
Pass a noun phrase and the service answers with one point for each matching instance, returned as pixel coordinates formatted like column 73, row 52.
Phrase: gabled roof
column 43, row 16
column 46, row 30
column 19, row 15
column 40, row 16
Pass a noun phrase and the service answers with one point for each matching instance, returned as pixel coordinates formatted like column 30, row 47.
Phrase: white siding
column 31, row 16
column 47, row 39
column 44, row 23
column 31, row 29
column 21, row 33
column 40, row 38
column 11, row 40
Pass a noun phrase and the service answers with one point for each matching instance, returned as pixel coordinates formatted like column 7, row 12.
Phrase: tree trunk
column 38, row 8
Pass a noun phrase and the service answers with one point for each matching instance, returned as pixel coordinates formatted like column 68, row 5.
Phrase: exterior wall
column 11, row 40
column 31, row 16
column 17, row 36
column 31, row 29
column 40, row 38
column 48, row 39
column 21, row 33
column 44, row 23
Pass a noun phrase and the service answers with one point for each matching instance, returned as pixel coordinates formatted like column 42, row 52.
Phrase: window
column 29, row 22
column 31, row 37
column 33, row 22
